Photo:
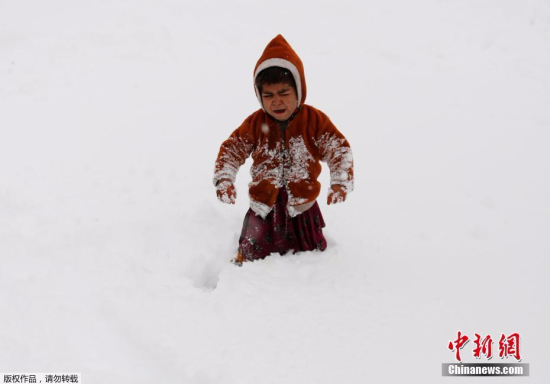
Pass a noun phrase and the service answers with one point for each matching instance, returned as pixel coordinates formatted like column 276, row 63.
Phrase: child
column 286, row 139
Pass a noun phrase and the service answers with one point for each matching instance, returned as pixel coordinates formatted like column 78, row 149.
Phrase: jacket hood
column 279, row 53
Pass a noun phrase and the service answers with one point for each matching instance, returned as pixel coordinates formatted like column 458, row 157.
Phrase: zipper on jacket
column 283, row 126
column 284, row 153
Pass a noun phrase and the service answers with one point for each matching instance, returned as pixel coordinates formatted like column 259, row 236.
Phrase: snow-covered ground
column 114, row 249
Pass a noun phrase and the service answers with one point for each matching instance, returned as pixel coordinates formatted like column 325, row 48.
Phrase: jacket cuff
column 223, row 174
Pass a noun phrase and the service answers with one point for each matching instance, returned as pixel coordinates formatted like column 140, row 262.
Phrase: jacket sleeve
column 233, row 153
column 335, row 150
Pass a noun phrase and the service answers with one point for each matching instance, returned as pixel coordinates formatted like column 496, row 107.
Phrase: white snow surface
column 115, row 251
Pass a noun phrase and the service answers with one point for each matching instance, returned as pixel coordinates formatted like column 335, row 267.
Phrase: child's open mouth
column 279, row 111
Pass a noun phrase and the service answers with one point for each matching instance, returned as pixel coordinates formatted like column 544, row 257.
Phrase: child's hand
column 226, row 191
column 336, row 194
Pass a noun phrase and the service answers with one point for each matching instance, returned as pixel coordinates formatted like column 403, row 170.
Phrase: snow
column 300, row 157
column 115, row 251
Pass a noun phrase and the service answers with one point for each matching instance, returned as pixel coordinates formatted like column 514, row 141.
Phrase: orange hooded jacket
column 309, row 138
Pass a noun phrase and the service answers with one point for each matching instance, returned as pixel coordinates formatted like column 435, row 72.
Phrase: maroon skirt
column 279, row 232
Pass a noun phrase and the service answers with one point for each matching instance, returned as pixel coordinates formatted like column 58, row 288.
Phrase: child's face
column 279, row 100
